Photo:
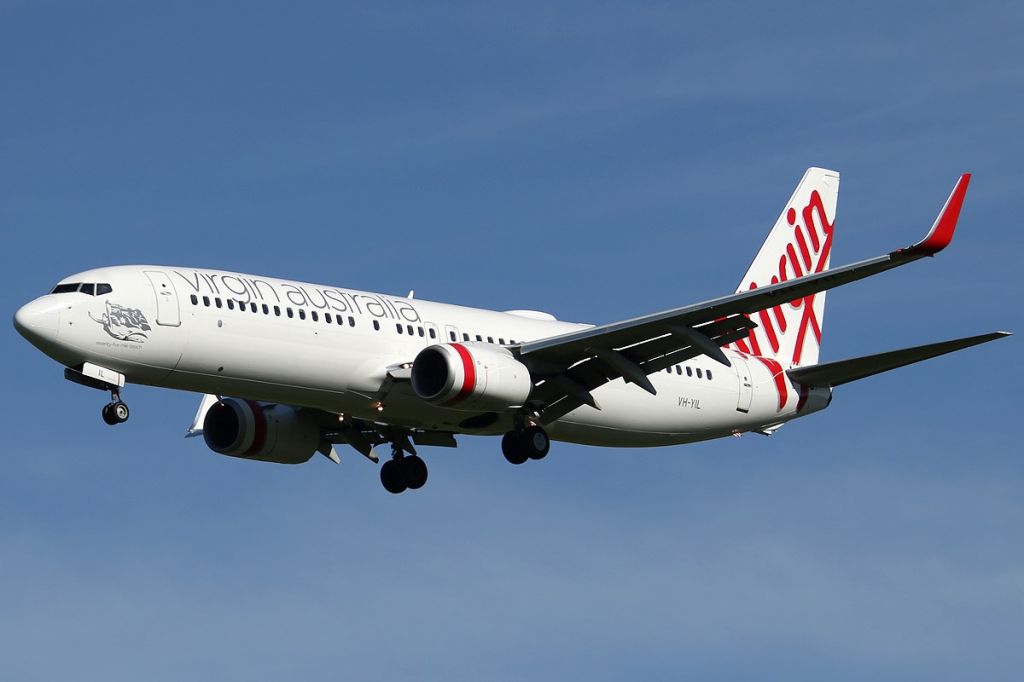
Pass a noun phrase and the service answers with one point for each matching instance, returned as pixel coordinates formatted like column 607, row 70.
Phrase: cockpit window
column 88, row 288
column 65, row 288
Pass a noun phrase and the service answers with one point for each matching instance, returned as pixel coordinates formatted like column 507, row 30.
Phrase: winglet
column 941, row 233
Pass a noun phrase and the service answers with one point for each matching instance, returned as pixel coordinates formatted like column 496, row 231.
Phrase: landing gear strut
column 403, row 472
column 115, row 412
column 531, row 442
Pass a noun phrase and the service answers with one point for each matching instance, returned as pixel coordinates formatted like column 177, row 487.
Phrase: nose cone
column 38, row 321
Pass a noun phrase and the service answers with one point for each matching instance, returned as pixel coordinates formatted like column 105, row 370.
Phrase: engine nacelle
column 263, row 431
column 473, row 377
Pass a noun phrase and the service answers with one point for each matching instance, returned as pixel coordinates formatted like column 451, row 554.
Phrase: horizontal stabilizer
column 832, row 374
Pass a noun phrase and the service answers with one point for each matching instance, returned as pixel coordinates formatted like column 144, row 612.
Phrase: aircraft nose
column 38, row 321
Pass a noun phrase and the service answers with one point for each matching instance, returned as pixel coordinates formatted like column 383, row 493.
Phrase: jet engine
column 472, row 377
column 263, row 431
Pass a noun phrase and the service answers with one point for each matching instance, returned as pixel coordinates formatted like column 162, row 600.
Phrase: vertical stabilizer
column 800, row 243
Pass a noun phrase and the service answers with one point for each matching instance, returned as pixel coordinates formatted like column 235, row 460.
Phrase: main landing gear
column 531, row 442
column 115, row 412
column 403, row 472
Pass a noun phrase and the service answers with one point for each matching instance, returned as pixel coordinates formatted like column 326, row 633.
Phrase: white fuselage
column 331, row 349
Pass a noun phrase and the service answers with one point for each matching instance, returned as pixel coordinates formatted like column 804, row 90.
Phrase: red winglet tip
column 941, row 233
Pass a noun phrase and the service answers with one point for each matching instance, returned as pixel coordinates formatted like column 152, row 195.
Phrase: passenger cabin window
column 699, row 375
column 302, row 314
column 376, row 325
column 709, row 375
column 195, row 299
column 399, row 328
column 453, row 336
column 465, row 336
column 217, row 301
column 288, row 311
column 266, row 309
column 433, row 334
column 231, row 304
column 314, row 316
column 277, row 311
column 351, row 321
column 689, row 372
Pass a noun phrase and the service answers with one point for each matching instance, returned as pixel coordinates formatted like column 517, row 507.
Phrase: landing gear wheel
column 534, row 442
column 115, row 413
column 530, row 443
column 414, row 470
column 120, row 412
column 392, row 476
column 511, row 448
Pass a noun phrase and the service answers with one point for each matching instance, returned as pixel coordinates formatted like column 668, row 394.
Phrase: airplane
column 289, row 369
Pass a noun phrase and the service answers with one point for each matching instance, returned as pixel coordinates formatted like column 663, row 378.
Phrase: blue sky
column 597, row 160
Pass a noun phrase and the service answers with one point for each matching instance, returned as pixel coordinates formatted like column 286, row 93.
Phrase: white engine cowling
column 263, row 431
column 473, row 377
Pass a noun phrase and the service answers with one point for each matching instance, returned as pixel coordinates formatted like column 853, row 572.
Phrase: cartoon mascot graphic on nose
column 124, row 324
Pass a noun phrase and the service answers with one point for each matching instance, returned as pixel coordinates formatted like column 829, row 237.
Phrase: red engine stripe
column 468, row 371
column 259, row 421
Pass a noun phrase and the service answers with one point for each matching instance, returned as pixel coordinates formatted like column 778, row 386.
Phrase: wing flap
column 832, row 374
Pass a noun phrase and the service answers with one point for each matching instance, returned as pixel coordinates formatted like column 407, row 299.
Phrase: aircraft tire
column 534, row 442
column 392, row 478
column 512, row 448
column 108, row 414
column 414, row 471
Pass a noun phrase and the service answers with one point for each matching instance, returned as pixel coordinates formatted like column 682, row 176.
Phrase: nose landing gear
column 115, row 412
column 100, row 378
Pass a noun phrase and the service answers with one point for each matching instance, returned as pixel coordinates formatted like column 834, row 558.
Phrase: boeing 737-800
column 290, row 369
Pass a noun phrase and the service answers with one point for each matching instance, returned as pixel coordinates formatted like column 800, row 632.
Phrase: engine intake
column 472, row 377
column 261, row 431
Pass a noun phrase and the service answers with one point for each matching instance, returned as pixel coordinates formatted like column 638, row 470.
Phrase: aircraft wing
column 570, row 366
